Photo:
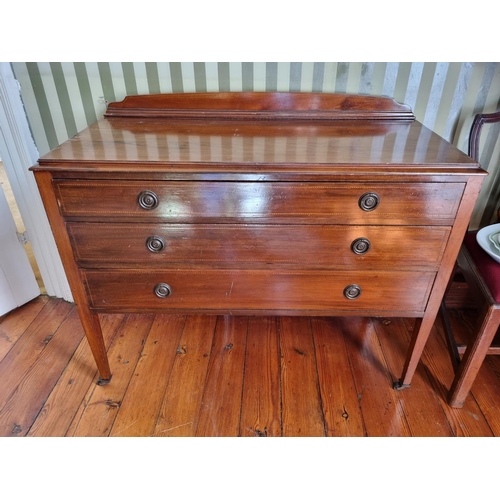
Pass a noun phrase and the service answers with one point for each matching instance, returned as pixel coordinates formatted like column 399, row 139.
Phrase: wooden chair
column 482, row 275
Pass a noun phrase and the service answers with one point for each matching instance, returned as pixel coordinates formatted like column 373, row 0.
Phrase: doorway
column 18, row 152
column 14, row 209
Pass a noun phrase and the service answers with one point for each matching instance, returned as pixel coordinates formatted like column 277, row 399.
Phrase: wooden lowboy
column 258, row 203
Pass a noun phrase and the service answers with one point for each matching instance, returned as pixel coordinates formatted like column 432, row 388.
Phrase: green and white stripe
column 64, row 98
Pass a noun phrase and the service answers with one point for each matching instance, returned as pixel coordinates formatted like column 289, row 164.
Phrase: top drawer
column 284, row 202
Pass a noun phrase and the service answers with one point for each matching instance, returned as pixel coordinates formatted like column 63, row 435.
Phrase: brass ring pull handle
column 369, row 201
column 352, row 292
column 360, row 246
column 155, row 244
column 162, row 290
column 147, row 200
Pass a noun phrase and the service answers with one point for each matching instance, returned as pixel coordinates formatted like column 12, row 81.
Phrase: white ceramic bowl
column 483, row 238
column 495, row 239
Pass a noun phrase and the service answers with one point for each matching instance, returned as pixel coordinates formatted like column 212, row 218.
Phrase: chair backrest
column 474, row 137
column 475, row 131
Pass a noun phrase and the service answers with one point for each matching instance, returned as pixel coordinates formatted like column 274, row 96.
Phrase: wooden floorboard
column 339, row 399
column 422, row 407
column 103, row 402
column 199, row 375
column 78, row 377
column 181, row 404
column 150, row 378
column 379, row 402
column 261, row 400
column 221, row 403
column 302, row 413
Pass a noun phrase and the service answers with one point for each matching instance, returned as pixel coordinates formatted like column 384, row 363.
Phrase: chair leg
column 472, row 360
column 450, row 339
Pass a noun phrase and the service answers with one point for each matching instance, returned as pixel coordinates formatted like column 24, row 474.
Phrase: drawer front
column 180, row 201
column 257, row 245
column 251, row 290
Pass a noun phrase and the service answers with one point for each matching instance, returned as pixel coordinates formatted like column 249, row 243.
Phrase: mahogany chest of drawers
column 258, row 203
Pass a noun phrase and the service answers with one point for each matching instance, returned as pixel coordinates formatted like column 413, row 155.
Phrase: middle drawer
column 102, row 245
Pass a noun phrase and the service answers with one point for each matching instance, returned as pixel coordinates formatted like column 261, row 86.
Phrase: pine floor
column 232, row 376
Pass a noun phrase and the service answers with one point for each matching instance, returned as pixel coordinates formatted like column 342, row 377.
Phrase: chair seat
column 489, row 269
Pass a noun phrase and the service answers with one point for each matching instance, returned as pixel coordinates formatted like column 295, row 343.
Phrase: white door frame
column 19, row 153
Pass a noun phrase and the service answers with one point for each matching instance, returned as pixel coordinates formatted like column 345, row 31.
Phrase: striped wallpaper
column 63, row 98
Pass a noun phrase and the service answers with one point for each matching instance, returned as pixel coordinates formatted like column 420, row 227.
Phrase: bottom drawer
column 253, row 290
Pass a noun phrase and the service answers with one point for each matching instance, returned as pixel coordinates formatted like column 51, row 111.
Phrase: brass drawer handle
column 369, row 201
column 352, row 292
column 155, row 244
column 147, row 200
column 162, row 290
column 360, row 246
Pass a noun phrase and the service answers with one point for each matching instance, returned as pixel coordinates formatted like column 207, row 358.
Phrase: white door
column 17, row 281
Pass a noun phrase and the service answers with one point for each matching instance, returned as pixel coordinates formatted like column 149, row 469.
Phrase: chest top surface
column 259, row 132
